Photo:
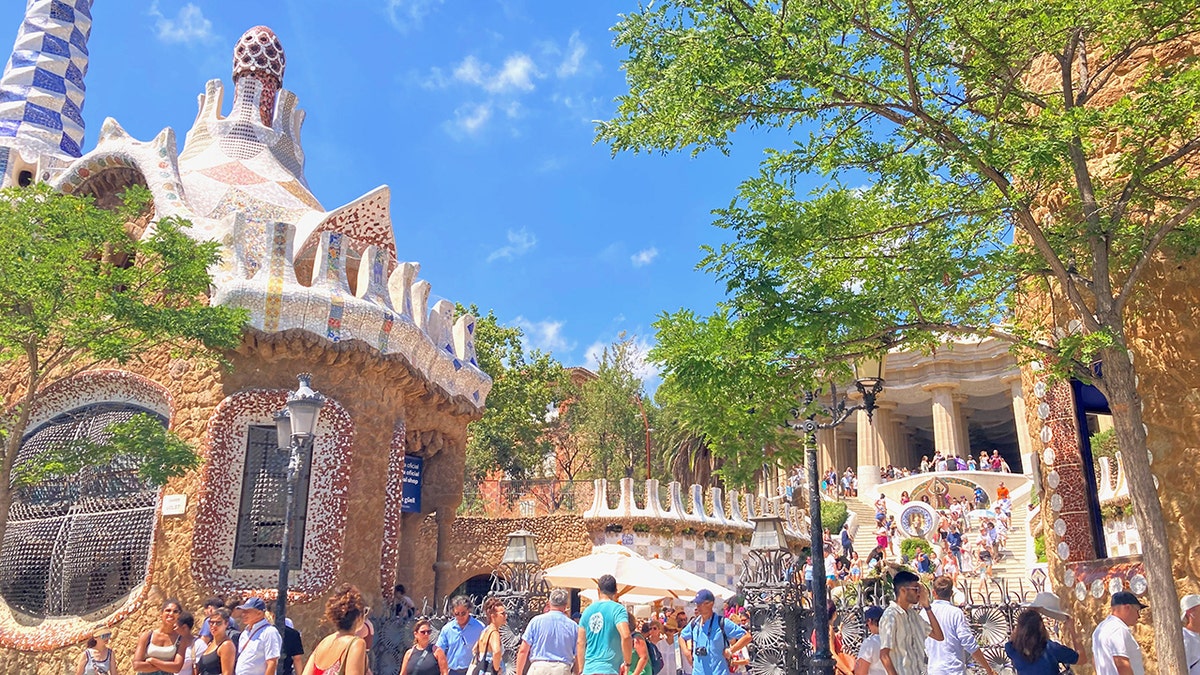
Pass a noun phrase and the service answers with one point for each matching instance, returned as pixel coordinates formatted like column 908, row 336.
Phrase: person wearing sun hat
column 1189, row 609
column 1114, row 651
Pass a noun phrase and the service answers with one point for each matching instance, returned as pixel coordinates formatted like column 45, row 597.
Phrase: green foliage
column 1104, row 444
column 901, row 206
column 833, row 516
column 1039, row 548
column 609, row 419
column 911, row 546
column 142, row 441
column 78, row 291
column 513, row 436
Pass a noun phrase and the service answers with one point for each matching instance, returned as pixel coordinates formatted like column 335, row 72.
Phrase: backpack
column 656, row 657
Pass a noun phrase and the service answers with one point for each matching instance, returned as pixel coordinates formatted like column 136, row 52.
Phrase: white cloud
column 545, row 335
column 408, row 14
column 519, row 243
column 188, row 27
column 644, row 257
column 470, row 119
column 572, row 62
column 516, row 74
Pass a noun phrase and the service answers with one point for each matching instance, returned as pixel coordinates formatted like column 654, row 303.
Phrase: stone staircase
column 1013, row 565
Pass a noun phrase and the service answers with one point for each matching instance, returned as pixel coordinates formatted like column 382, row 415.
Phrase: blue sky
column 479, row 116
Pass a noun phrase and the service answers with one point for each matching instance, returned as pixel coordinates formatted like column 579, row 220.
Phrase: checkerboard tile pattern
column 41, row 92
column 714, row 559
column 1121, row 536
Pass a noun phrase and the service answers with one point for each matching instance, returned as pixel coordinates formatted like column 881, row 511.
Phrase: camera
column 701, row 651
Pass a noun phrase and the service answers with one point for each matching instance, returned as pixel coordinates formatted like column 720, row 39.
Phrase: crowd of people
column 839, row 486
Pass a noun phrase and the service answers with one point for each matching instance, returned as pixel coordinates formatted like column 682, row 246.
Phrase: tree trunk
column 12, row 445
column 1117, row 384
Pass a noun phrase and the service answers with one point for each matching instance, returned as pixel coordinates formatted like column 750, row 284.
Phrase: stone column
column 898, row 442
column 444, row 518
column 872, row 447
column 1024, row 442
column 826, row 450
column 962, row 415
column 945, row 422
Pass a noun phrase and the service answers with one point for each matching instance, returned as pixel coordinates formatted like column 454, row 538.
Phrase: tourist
column 1189, row 608
column 923, row 564
column 741, row 659
column 158, row 649
column 948, row 656
column 402, row 605
column 210, row 605
column 711, row 640
column 187, row 643
column 926, row 465
column 893, row 535
column 342, row 651
column 830, row 569
column 457, row 638
column 1114, row 651
column 972, row 465
column 847, row 541
column 549, row 645
column 808, row 574
column 426, row 658
column 954, row 543
column 940, row 463
column 259, row 643
column 683, row 665
column 836, row 647
column 904, row 498
column 902, row 630
column 604, row 637
column 868, row 662
column 639, row 662
column 220, row 652
column 1032, row 652
column 658, row 638
column 883, row 538
column 997, row 463
column 1001, row 491
column 489, row 648
column 367, row 632
column 97, row 658
column 291, row 650
column 880, row 509
column 855, row 568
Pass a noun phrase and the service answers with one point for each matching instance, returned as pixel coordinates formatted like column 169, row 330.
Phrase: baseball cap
column 704, row 595
column 1126, row 598
column 254, row 603
column 873, row 613
column 1187, row 602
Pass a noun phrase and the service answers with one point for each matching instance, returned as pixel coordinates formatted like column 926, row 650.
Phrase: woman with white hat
column 1030, row 648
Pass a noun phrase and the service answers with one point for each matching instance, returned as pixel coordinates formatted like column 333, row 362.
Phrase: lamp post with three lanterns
column 869, row 381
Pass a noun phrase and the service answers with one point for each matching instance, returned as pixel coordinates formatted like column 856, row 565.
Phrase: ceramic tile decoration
column 292, row 264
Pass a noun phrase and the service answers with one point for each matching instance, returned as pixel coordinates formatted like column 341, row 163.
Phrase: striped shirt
column 903, row 632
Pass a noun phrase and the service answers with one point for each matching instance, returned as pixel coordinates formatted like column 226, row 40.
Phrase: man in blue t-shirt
column 604, row 645
column 711, row 640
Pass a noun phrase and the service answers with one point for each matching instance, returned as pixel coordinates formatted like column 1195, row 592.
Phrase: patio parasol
column 693, row 581
column 634, row 573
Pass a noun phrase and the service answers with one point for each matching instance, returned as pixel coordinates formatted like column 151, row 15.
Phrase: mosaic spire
column 41, row 91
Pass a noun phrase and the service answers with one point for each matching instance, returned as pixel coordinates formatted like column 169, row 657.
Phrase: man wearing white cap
column 1189, row 606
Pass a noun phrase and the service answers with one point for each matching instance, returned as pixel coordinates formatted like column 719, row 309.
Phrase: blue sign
column 410, row 485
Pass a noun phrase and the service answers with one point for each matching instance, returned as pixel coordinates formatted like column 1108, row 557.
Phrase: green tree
column 610, row 423
column 78, row 291
column 970, row 151
column 513, row 435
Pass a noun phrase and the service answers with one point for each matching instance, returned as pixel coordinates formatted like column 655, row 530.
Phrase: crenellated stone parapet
column 1111, row 486
column 719, row 512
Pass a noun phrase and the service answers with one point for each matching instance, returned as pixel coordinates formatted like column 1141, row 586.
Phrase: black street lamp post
column 298, row 424
column 518, row 581
column 869, row 383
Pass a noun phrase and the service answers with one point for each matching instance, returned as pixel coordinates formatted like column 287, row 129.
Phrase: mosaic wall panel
column 218, row 505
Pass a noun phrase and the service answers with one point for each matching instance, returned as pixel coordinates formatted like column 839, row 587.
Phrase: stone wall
column 375, row 392
column 1165, row 340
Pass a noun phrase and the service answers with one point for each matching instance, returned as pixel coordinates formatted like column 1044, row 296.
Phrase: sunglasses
column 104, row 636
column 424, row 631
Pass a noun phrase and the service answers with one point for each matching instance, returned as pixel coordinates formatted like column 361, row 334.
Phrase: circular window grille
column 75, row 544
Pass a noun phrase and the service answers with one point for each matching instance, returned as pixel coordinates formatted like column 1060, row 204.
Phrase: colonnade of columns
column 885, row 439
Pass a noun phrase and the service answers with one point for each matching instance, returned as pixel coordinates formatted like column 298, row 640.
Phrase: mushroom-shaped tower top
column 259, row 55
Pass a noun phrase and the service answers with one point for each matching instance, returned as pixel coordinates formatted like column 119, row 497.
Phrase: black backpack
column 656, row 658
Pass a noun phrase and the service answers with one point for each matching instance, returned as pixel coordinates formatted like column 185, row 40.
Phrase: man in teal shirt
column 710, row 639
column 605, row 645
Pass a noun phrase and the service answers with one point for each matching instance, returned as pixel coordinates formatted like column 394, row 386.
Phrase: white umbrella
column 634, row 574
column 593, row 595
column 694, row 582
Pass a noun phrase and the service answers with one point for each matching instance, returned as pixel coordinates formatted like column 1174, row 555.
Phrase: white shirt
column 950, row 655
column 869, row 652
column 256, row 645
column 668, row 655
column 1191, row 650
column 903, row 632
column 199, row 646
column 1113, row 638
